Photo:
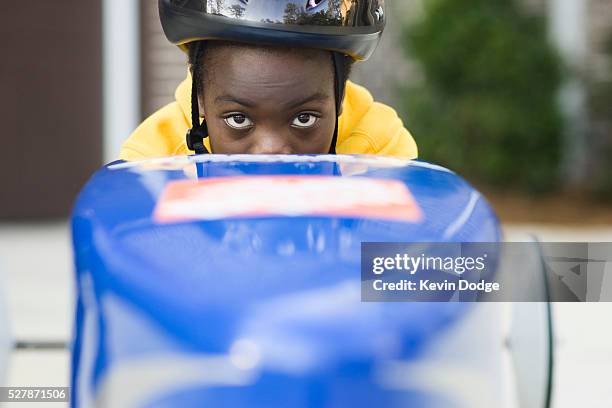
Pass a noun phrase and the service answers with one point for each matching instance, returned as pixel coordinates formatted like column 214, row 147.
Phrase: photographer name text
column 411, row 265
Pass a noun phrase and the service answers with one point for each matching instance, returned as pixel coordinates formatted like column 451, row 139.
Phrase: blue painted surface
column 198, row 288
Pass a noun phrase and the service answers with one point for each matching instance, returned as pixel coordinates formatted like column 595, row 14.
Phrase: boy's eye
column 305, row 120
column 238, row 121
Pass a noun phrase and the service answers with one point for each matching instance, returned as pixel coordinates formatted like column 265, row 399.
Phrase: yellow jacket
column 365, row 127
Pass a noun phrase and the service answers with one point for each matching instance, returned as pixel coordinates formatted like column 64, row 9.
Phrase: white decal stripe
column 464, row 217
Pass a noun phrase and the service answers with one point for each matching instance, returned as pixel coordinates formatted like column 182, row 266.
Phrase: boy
column 271, row 77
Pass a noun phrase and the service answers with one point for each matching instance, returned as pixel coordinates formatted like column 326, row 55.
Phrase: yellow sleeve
column 368, row 127
column 162, row 134
column 385, row 133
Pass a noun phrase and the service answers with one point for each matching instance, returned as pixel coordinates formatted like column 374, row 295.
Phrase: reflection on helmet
column 311, row 12
column 352, row 27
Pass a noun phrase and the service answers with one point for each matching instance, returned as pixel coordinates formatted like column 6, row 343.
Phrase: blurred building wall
column 389, row 67
column 600, row 33
column 164, row 66
column 600, row 73
column 50, row 109
column 582, row 30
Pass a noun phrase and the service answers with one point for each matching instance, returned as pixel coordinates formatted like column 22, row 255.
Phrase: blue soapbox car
column 233, row 281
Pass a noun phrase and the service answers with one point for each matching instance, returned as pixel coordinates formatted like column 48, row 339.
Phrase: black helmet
column 352, row 27
column 346, row 27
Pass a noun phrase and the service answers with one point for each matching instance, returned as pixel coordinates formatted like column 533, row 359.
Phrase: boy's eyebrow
column 319, row 96
column 231, row 98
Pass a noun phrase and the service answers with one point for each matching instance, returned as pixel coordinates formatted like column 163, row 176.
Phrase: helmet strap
column 199, row 130
column 339, row 61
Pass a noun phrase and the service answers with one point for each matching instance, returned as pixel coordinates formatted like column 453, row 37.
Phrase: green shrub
column 487, row 107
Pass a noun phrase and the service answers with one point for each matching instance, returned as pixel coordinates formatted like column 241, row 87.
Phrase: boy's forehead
column 254, row 66
column 241, row 49
column 258, row 60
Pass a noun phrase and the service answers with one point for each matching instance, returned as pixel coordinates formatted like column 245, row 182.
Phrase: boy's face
column 268, row 102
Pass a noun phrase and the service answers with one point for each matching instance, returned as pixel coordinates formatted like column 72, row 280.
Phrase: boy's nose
column 271, row 144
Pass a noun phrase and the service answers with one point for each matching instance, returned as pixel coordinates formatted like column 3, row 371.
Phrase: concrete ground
column 36, row 261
